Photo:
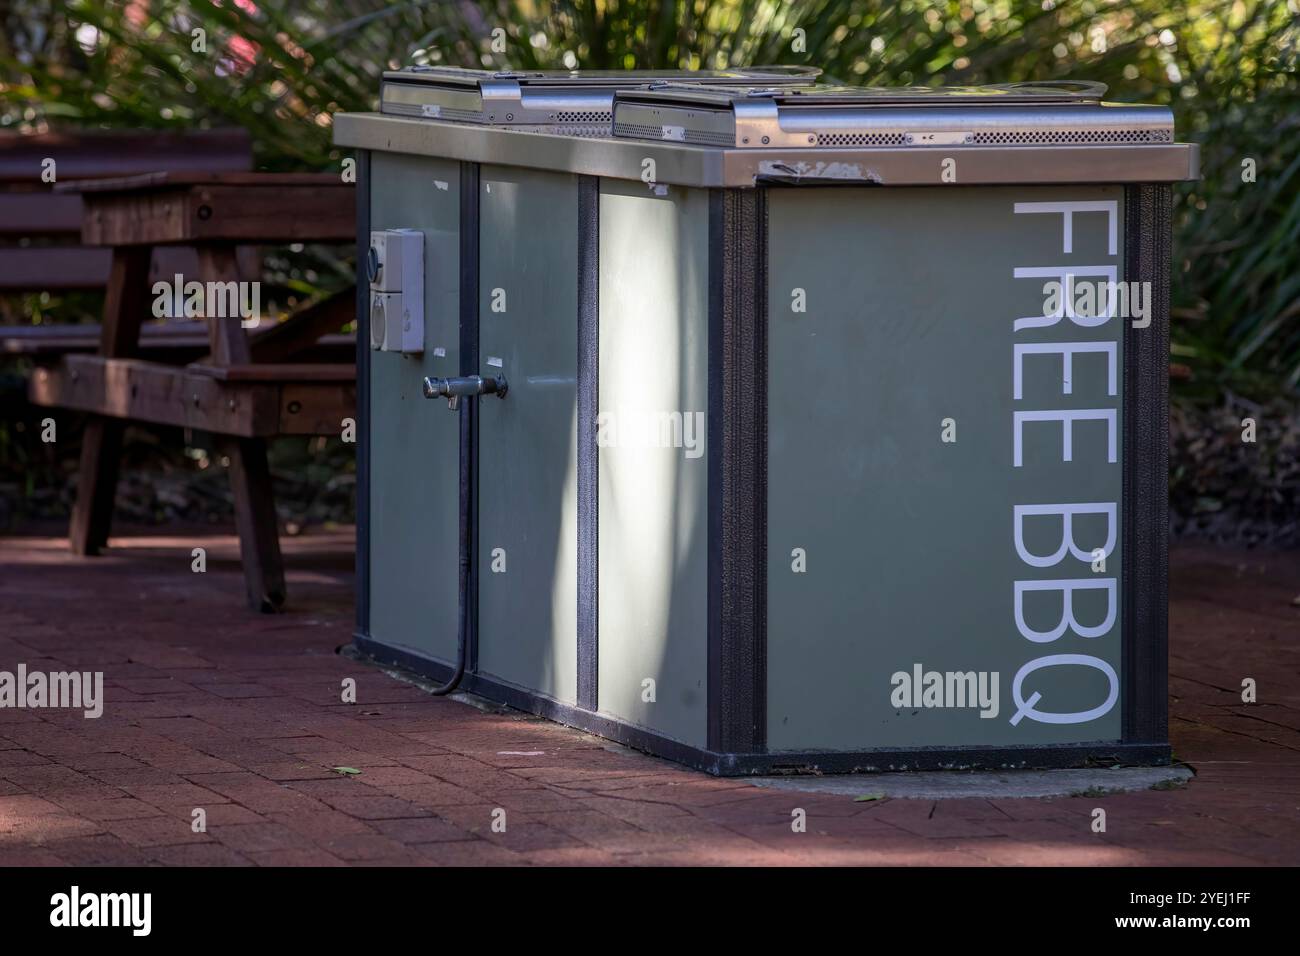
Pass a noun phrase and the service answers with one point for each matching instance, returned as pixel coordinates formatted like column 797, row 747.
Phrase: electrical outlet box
column 395, row 268
column 386, row 321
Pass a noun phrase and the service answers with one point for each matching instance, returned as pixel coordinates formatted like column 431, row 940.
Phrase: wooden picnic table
column 247, row 388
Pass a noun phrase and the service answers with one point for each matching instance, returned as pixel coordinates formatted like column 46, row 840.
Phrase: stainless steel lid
column 1046, row 93
column 824, row 117
column 554, row 101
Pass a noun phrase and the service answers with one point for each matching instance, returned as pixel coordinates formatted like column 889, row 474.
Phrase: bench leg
column 92, row 513
column 259, row 534
column 250, row 476
column 125, row 301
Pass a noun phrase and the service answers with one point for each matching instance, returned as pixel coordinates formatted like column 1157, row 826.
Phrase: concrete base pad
column 956, row 785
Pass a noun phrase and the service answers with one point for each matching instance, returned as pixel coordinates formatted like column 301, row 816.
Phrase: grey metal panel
column 528, row 313
column 414, row 443
column 690, row 165
column 910, row 556
column 653, row 527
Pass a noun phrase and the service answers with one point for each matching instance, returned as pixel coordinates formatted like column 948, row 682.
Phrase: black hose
column 467, row 410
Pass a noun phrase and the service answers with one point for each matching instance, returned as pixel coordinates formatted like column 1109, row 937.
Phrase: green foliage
column 283, row 67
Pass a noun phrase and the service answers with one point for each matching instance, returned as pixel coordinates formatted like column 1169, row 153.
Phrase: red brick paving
column 211, row 706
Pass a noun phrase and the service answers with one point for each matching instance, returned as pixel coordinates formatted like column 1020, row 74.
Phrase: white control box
column 395, row 268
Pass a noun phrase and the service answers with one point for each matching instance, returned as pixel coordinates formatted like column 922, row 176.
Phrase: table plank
column 82, row 154
column 171, row 395
column 154, row 337
column 279, row 372
column 184, row 178
column 267, row 214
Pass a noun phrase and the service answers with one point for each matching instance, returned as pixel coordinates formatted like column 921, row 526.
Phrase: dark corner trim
column 469, row 282
column 737, row 456
column 588, row 457
column 1148, row 211
column 362, row 581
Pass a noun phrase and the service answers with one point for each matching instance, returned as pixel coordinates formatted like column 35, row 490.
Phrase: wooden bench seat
column 248, row 401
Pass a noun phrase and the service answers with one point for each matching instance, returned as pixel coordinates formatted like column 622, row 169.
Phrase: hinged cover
column 576, row 103
column 820, row 117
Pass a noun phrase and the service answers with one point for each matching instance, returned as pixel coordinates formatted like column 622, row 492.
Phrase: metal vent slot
column 639, row 131
column 466, row 116
column 710, row 139
column 860, row 139
column 584, row 117
column 580, row 132
column 1078, row 136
